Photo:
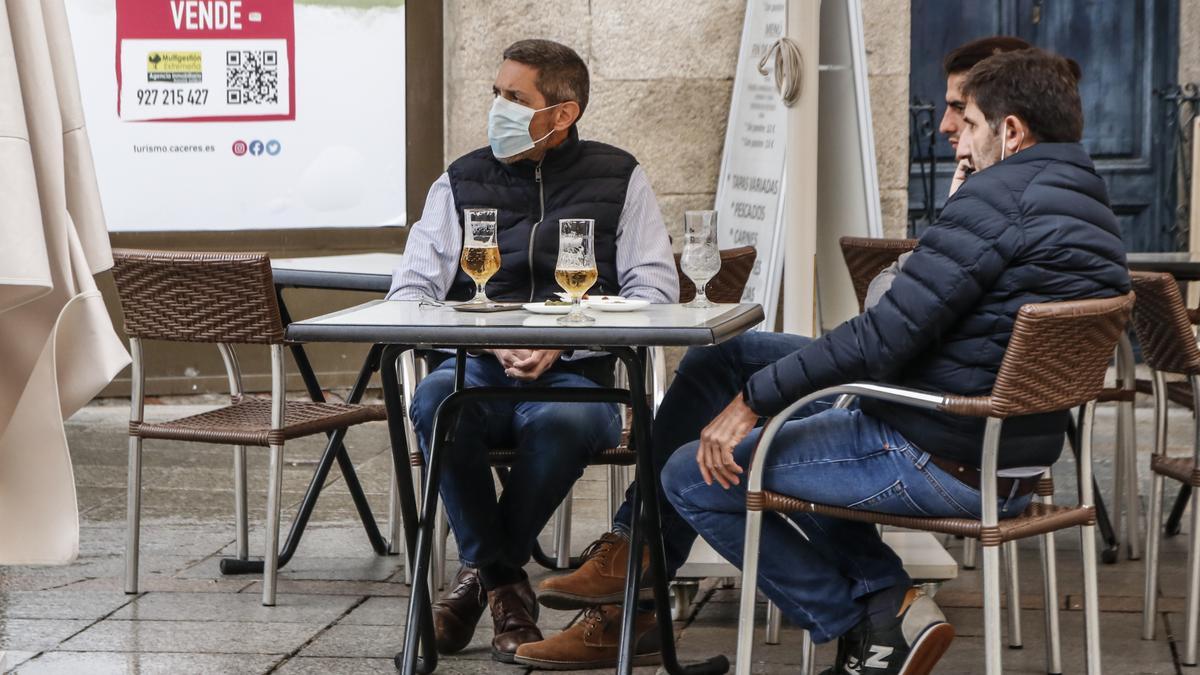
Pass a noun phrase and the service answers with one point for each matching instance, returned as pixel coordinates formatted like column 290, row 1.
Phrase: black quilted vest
column 576, row 179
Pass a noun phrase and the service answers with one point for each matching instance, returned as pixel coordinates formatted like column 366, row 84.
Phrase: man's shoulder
column 599, row 148
column 475, row 159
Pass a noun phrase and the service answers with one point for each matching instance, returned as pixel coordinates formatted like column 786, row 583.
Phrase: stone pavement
column 341, row 608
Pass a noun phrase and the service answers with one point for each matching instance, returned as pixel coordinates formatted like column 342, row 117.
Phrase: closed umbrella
column 58, row 348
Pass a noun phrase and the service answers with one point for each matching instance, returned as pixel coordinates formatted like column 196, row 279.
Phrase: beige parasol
column 57, row 345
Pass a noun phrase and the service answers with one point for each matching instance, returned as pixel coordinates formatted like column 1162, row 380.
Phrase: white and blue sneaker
column 912, row 644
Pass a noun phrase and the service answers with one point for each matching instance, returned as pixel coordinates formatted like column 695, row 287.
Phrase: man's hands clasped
column 526, row 365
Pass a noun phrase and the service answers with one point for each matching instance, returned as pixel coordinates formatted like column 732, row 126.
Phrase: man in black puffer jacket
column 1031, row 225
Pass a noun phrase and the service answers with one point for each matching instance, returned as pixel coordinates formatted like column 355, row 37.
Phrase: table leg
column 334, row 449
column 419, row 613
column 646, row 512
column 345, row 465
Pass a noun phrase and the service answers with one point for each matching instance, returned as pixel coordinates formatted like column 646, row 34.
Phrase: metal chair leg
column 1153, row 535
column 1012, row 592
column 1128, row 447
column 1050, row 593
column 991, row 610
column 239, row 502
column 395, row 535
column 562, row 532
column 133, row 495
column 745, row 643
column 808, row 652
column 970, row 546
column 1193, row 587
column 1091, row 599
column 271, row 546
column 774, row 623
column 133, row 516
column 437, row 571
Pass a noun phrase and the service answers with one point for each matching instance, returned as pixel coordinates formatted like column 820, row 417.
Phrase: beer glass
column 576, row 268
column 480, row 252
column 701, row 260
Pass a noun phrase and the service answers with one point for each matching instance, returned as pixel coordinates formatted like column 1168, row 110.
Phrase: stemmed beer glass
column 701, row 260
column 480, row 251
column 576, row 268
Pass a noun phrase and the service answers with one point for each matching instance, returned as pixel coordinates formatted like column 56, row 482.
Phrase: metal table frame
column 335, row 450
column 419, row 654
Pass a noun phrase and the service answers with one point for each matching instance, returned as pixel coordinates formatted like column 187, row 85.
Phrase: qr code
column 251, row 77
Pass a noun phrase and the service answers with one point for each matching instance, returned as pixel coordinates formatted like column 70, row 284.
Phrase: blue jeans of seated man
column 705, row 382
column 554, row 443
column 817, row 569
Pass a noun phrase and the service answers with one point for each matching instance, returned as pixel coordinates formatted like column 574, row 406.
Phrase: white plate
column 543, row 308
column 616, row 304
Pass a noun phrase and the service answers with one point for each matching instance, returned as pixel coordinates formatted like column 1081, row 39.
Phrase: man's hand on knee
column 717, row 440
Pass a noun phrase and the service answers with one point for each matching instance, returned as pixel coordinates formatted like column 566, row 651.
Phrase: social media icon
column 239, row 148
column 273, row 147
column 256, row 147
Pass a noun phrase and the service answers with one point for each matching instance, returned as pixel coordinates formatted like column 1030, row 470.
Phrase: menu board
column 751, row 184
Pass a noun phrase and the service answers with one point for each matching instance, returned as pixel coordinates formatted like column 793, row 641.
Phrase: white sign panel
column 244, row 114
column 750, row 191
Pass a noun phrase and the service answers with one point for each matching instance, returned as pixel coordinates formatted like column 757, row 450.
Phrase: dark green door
column 1127, row 50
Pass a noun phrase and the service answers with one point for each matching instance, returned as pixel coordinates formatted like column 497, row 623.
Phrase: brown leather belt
column 970, row 476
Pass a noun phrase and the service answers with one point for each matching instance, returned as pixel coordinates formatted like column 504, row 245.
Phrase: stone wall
column 662, row 75
column 1189, row 40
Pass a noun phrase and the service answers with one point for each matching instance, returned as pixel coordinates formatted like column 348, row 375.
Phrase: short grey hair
column 562, row 75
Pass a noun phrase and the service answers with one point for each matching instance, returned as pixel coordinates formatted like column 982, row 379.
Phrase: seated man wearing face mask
column 535, row 172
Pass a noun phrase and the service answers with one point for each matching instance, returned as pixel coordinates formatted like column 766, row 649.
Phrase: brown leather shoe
column 514, row 617
column 593, row 642
column 600, row 580
column 457, row 613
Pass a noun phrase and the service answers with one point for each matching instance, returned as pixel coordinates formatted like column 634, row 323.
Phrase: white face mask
column 508, row 128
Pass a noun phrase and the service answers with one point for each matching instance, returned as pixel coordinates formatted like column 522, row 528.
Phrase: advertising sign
column 244, row 114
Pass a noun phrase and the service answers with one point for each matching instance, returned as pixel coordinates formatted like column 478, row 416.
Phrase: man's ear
column 1018, row 135
column 566, row 115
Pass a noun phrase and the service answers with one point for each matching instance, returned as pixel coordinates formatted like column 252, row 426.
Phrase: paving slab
column 242, row 607
column 342, row 666
column 60, row 604
column 106, row 663
column 206, row 637
column 35, row 635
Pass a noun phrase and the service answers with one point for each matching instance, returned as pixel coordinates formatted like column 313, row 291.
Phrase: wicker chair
column 226, row 299
column 726, row 287
column 1056, row 359
column 866, row 257
column 1165, row 332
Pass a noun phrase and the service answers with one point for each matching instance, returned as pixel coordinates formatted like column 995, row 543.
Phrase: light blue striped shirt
column 645, row 265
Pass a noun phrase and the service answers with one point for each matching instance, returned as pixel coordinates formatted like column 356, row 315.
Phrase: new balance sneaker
column 912, row 644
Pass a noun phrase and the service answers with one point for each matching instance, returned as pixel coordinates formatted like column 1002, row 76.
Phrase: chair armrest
column 901, row 395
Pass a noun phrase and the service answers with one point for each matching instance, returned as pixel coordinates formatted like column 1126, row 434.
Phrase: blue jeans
column 554, row 443
column 817, row 569
column 706, row 380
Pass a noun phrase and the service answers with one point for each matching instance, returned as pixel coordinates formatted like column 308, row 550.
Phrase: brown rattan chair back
column 1056, row 358
column 1163, row 327
column 183, row 296
column 730, row 282
column 866, row 257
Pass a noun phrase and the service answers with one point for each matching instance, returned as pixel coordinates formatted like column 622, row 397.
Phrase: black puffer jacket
column 1036, row 227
